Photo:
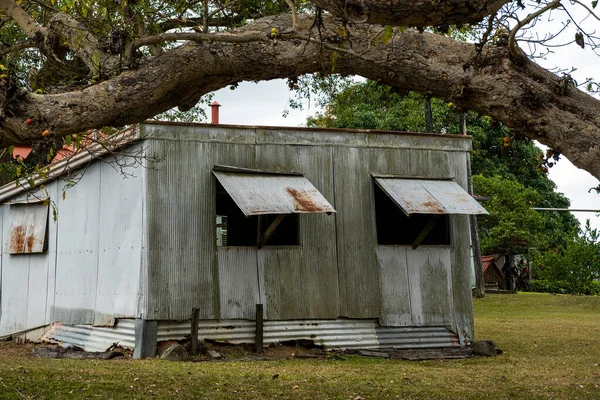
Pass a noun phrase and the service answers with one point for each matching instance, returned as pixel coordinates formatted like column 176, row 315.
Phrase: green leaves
column 388, row 31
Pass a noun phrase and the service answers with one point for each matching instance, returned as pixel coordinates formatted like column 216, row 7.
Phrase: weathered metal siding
column 93, row 338
column 423, row 196
column 461, row 255
column 297, row 283
column 396, row 305
column 340, row 333
column 120, row 244
column 429, row 279
column 182, row 261
column 27, row 231
column 99, row 247
column 241, row 286
column 331, row 333
column 27, row 280
column 356, row 241
column 301, row 282
column 297, row 280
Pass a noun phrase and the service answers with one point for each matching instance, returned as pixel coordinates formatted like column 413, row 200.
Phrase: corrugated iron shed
column 429, row 196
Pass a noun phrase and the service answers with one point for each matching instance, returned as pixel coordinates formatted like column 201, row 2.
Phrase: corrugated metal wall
column 338, row 270
column 461, row 255
column 27, row 280
column 91, row 271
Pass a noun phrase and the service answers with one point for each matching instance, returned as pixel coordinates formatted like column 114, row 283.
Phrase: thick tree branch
column 419, row 13
column 523, row 96
column 29, row 26
column 83, row 44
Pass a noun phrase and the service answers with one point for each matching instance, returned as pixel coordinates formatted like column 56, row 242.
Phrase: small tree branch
column 18, row 47
column 512, row 45
column 587, row 8
column 84, row 44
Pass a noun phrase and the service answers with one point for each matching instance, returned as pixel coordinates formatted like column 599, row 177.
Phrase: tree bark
column 532, row 101
column 418, row 13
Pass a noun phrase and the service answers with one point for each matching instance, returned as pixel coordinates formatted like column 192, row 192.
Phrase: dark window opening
column 235, row 229
column 394, row 227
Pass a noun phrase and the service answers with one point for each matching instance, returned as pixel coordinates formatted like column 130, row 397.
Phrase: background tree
column 68, row 66
column 510, row 171
column 572, row 269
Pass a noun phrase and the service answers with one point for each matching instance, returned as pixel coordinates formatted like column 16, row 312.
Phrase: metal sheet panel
column 461, row 256
column 257, row 194
column 92, row 338
column 337, row 333
column 355, row 234
column 395, row 290
column 239, row 282
column 429, row 277
column 119, row 243
column 424, row 196
column 77, row 250
column 182, row 260
column 27, row 231
column 340, row 333
column 454, row 198
column 26, row 281
column 302, row 282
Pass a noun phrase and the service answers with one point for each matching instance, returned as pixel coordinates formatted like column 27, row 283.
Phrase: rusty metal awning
column 28, row 226
column 258, row 193
column 429, row 196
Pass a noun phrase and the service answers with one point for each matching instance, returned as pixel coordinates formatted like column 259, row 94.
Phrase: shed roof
column 491, row 271
column 68, row 164
column 429, row 196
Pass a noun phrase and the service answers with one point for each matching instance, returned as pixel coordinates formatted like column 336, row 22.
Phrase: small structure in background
column 492, row 274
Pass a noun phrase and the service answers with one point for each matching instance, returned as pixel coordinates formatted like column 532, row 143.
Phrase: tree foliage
column 576, row 267
column 511, row 227
column 510, row 171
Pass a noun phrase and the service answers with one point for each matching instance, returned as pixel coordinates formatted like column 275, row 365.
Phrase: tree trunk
column 428, row 115
column 477, row 263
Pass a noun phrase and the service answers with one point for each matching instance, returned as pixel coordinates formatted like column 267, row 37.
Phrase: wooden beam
column 195, row 321
column 259, row 329
column 425, row 231
column 263, row 239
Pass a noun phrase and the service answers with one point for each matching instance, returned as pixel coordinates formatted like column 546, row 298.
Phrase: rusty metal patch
column 305, row 201
column 27, row 232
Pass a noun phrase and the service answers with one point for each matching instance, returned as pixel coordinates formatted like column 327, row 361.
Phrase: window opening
column 235, row 229
column 394, row 227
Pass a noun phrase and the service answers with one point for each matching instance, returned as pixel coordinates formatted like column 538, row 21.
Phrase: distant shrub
column 563, row 287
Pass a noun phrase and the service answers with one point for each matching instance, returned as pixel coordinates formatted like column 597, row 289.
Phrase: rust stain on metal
column 303, row 201
column 17, row 239
column 29, row 244
column 433, row 207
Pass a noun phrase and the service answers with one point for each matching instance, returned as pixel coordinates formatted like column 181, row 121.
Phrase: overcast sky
column 263, row 104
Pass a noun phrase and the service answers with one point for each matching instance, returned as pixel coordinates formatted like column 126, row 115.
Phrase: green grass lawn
column 551, row 351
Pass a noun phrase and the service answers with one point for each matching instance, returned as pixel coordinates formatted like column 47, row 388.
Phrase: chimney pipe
column 214, row 112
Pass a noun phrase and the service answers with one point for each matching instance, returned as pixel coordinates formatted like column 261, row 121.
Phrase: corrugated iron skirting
column 340, row 333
